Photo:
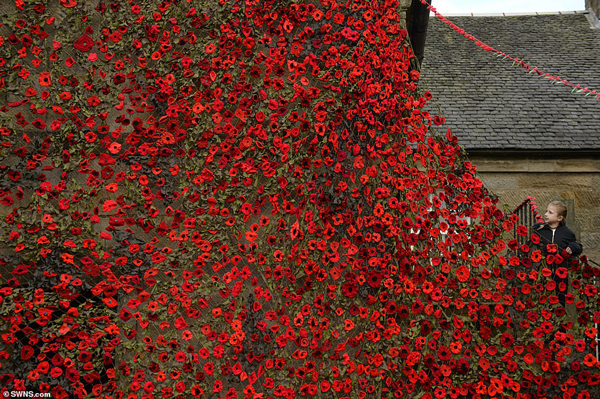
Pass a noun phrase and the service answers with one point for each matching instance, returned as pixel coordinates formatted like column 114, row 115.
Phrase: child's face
column 551, row 216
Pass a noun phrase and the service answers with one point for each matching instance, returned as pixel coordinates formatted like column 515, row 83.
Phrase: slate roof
column 491, row 105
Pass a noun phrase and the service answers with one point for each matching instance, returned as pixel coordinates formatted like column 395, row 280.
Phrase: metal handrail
column 528, row 215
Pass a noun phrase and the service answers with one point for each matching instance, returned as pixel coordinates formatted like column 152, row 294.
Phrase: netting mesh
column 246, row 199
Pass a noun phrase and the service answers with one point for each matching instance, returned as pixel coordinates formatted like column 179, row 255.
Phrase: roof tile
column 486, row 100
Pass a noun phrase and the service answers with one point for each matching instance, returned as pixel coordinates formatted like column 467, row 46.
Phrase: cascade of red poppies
column 247, row 199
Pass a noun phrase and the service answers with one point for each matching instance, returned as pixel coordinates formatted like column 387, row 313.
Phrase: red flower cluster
column 248, row 199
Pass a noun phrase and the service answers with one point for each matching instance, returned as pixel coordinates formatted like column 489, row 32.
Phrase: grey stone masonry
column 593, row 5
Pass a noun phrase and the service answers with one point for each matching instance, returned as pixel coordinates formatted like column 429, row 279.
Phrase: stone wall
column 594, row 5
column 575, row 181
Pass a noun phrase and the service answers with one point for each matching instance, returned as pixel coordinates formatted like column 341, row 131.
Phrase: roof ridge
column 592, row 18
column 516, row 14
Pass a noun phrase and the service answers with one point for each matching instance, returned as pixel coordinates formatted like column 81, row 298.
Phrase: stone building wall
column 594, row 5
column 575, row 181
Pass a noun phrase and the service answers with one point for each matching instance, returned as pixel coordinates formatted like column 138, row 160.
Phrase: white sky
column 509, row 6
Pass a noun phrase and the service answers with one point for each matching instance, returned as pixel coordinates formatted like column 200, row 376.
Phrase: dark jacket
column 563, row 238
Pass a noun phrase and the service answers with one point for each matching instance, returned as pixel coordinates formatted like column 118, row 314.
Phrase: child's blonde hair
column 561, row 210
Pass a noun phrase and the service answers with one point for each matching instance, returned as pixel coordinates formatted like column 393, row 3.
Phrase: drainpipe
column 417, row 18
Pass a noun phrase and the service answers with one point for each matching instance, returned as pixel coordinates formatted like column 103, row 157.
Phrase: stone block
column 591, row 245
column 586, row 219
column 588, row 198
column 560, row 181
column 495, row 181
column 503, row 165
column 404, row 4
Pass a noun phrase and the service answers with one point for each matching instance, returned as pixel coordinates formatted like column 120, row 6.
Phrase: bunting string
column 576, row 88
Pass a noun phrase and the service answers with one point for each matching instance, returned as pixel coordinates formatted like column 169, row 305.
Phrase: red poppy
column 68, row 3
column 350, row 289
column 463, row 273
column 27, row 352
column 44, row 79
column 84, row 42
column 374, row 279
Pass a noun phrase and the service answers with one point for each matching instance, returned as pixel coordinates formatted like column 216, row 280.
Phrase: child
column 555, row 231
